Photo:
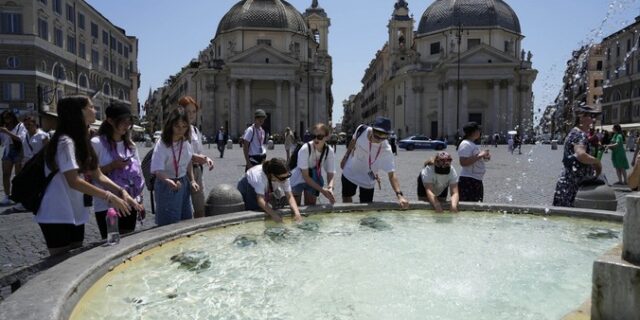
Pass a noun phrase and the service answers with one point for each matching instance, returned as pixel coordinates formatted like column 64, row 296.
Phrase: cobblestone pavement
column 527, row 179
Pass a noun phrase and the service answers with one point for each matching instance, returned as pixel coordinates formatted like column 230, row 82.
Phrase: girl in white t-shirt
column 12, row 133
column 118, row 158
column 172, row 165
column 472, row 161
column 313, row 158
column 63, row 214
column 34, row 140
column 437, row 179
column 198, row 158
column 267, row 187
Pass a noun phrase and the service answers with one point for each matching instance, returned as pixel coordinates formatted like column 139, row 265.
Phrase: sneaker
column 6, row 201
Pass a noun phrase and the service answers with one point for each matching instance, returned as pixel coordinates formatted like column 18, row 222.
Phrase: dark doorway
column 267, row 126
column 434, row 129
column 475, row 117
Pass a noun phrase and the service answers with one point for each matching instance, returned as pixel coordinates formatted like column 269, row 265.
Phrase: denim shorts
column 304, row 187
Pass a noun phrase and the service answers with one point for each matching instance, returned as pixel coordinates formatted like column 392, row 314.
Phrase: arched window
column 106, row 89
column 59, row 72
column 399, row 100
column 13, row 62
column 121, row 94
column 83, row 82
column 616, row 96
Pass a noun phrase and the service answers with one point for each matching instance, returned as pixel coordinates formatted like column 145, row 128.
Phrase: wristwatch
column 399, row 193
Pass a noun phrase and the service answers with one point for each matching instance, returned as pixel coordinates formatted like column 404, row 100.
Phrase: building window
column 608, row 54
column 266, row 42
column 435, row 48
column 11, row 23
column 617, row 50
column 94, row 30
column 81, row 21
column 616, row 96
column 120, row 48
column 627, row 68
column 71, row 44
column 83, row 82
column 13, row 62
column 82, row 50
column 57, row 6
column 43, row 1
column 71, row 13
column 107, row 89
column 599, row 65
column 126, row 52
column 105, row 63
column 58, row 39
column 105, row 38
column 43, row 29
column 628, row 45
column 95, row 57
column 597, row 83
column 113, row 43
column 59, row 72
column 608, row 74
column 113, row 66
column 507, row 46
column 121, row 71
column 472, row 43
column 13, row 91
column 636, row 111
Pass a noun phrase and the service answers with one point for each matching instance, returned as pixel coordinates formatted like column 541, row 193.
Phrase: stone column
column 247, row 115
column 440, row 112
column 510, row 106
column 234, row 129
column 279, row 123
column 495, row 107
column 419, row 119
column 322, row 108
column 293, row 110
column 464, row 105
column 450, row 112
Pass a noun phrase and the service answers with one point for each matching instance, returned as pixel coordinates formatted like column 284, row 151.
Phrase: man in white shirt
column 253, row 141
column 368, row 153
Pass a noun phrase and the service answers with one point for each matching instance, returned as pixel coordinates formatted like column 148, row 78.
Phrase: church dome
column 443, row 14
column 263, row 14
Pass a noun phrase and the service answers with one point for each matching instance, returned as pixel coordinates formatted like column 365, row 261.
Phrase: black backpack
column 30, row 184
column 293, row 160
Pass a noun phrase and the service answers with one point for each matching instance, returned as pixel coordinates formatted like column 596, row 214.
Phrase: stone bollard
column 270, row 145
column 600, row 197
column 223, row 199
column 616, row 289
column 554, row 145
column 631, row 234
column 229, row 144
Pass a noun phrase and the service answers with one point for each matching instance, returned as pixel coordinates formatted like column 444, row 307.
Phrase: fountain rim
column 54, row 293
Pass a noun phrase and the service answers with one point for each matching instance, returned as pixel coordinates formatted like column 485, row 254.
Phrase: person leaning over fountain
column 578, row 163
column 312, row 158
column 472, row 162
column 199, row 159
column 267, row 187
column 368, row 153
column 172, row 165
column 436, row 180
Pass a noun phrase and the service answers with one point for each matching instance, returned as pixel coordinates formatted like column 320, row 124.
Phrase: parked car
column 421, row 142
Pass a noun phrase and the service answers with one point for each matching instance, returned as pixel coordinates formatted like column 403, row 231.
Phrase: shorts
column 304, row 187
column 13, row 155
column 471, row 190
column 62, row 235
column 126, row 224
column 349, row 190
column 422, row 191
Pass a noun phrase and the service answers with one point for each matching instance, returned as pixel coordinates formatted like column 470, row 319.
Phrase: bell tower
column 400, row 28
column 319, row 24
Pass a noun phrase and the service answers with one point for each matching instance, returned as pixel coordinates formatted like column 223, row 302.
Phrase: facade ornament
column 522, row 54
column 452, row 46
column 314, row 4
column 529, row 56
column 512, row 48
column 231, row 47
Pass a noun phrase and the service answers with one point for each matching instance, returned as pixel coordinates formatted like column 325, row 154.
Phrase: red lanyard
column 260, row 136
column 377, row 155
column 176, row 162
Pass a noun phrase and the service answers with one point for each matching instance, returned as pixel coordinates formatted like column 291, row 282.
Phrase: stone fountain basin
column 54, row 293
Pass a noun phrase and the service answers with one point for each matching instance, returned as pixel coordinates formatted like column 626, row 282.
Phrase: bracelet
column 108, row 197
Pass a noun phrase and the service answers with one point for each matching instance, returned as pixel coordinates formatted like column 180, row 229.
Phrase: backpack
column 149, row 179
column 129, row 177
column 293, row 160
column 30, row 184
column 352, row 145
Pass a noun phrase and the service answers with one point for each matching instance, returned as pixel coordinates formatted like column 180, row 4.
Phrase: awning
column 625, row 126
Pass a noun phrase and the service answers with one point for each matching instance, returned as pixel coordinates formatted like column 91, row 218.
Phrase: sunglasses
column 284, row 178
column 380, row 137
column 319, row 136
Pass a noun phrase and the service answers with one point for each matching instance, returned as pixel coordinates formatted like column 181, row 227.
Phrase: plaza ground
column 527, row 179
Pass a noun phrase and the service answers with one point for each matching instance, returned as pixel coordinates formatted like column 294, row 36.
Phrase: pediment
column 484, row 54
column 260, row 55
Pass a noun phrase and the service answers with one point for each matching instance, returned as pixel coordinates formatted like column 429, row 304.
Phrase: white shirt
column 258, row 180
column 163, row 158
column 105, row 158
column 33, row 144
column 220, row 136
column 440, row 182
column 308, row 160
column 61, row 204
column 19, row 131
column 469, row 149
column 255, row 138
column 196, row 140
column 357, row 168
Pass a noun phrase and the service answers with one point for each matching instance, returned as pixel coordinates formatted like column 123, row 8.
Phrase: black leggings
column 125, row 224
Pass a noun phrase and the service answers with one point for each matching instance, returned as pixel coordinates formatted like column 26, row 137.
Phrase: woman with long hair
column 199, row 159
column 172, row 165
column 267, row 187
column 63, row 214
column 118, row 158
column 12, row 132
column 618, row 155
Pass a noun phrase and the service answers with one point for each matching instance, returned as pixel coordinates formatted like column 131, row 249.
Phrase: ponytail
column 430, row 162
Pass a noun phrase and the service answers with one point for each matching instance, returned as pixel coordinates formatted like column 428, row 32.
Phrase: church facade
column 265, row 55
column 464, row 63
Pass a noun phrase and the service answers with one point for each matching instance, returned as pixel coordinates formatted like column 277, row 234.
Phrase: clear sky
column 172, row 33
